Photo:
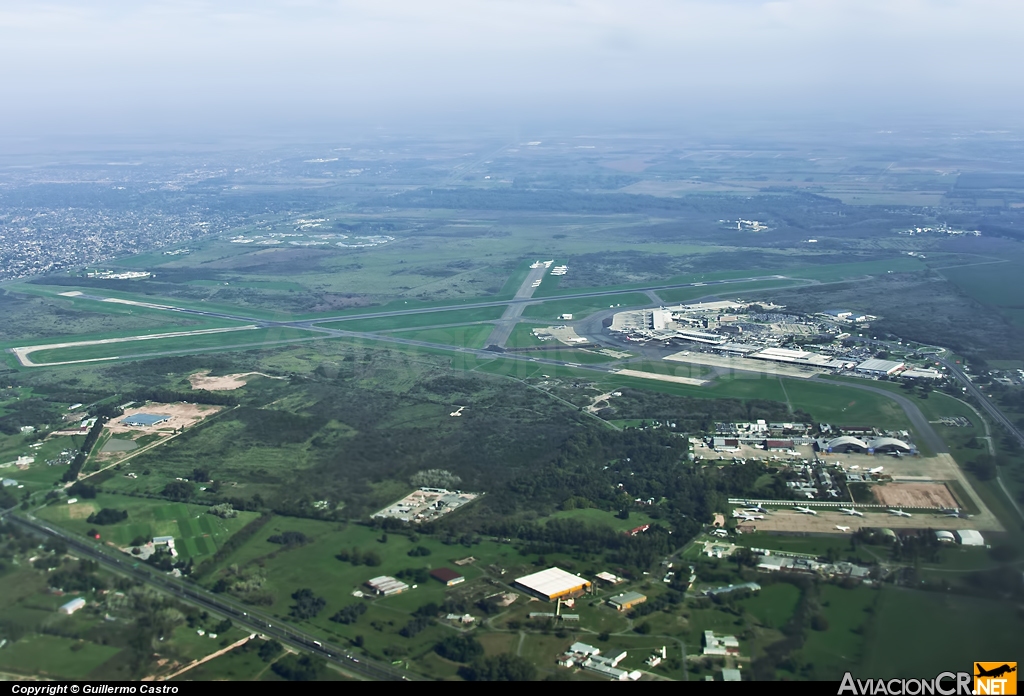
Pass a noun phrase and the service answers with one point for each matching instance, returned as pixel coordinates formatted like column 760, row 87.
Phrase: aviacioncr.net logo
column 945, row 684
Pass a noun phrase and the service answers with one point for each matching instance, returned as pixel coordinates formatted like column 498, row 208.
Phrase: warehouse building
column 879, row 368
column 868, row 445
column 448, row 577
column 627, row 600
column 553, row 583
column 145, row 420
column 72, row 606
column 970, row 537
column 387, row 585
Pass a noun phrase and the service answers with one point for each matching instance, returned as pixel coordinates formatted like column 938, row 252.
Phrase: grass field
column 522, row 337
column 474, row 336
column 585, row 306
column 993, row 285
column 605, row 518
column 409, row 321
column 947, row 632
column 727, row 290
column 196, row 533
column 315, row 566
column 841, row 646
column 54, row 656
column 228, row 339
column 773, row 605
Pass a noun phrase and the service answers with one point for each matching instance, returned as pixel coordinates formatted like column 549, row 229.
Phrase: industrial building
column 752, row 586
column 387, row 585
column 970, row 537
column 720, row 645
column 879, row 368
column 553, row 583
column 868, row 445
column 72, row 606
column 145, row 420
column 627, row 600
column 447, row 576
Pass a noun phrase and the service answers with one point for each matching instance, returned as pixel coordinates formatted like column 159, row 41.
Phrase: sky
column 187, row 66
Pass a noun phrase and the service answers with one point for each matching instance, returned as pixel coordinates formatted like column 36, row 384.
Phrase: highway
column 985, row 402
column 241, row 615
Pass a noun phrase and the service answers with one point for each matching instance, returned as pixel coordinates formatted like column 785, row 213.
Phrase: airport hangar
column 553, row 583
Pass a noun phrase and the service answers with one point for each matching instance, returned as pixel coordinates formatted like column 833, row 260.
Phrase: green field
column 464, row 336
column 225, row 340
column 54, row 656
column 947, row 632
column 773, row 605
column 723, row 290
column 409, row 321
column 604, row 518
column 522, row 337
column 585, row 306
column 842, row 645
column 994, row 285
column 196, row 534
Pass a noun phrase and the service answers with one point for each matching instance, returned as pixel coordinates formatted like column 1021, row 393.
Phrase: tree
column 307, row 605
column 178, row 490
column 504, row 667
column 460, row 648
column 107, row 516
column 295, row 668
column 270, row 650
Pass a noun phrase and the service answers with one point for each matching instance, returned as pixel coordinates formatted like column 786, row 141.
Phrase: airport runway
column 503, row 329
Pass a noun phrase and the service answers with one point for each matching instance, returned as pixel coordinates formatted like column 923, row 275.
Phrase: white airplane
column 876, row 470
column 851, row 512
column 756, row 508
column 805, row 510
column 750, row 518
column 841, row 528
column 899, row 513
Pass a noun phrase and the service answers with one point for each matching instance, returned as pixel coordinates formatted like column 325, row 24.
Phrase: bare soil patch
column 180, row 416
column 80, row 511
column 914, row 495
column 203, row 380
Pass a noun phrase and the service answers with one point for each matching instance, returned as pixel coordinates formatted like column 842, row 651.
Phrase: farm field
column 196, row 533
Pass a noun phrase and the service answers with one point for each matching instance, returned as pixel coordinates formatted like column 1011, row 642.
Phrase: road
column 239, row 614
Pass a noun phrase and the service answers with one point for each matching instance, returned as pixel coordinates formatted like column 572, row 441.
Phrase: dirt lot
column 181, row 416
column 80, row 511
column 914, row 495
column 203, row 380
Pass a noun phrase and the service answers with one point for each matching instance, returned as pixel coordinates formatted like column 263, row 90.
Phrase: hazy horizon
column 292, row 69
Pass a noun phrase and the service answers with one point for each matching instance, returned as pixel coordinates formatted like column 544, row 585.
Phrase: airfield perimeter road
column 254, row 621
